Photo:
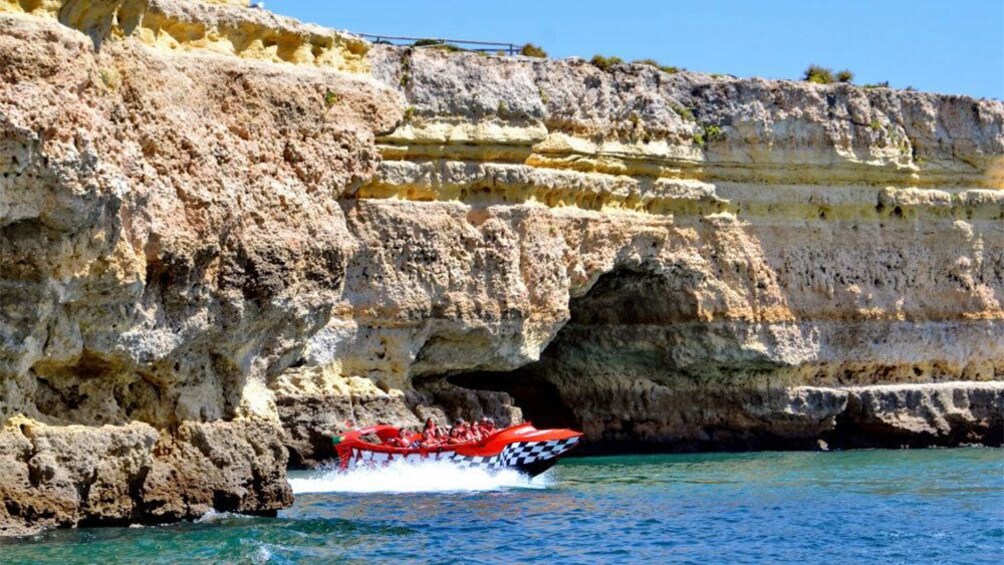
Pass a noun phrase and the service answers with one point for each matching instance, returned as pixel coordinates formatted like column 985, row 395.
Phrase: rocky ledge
column 225, row 235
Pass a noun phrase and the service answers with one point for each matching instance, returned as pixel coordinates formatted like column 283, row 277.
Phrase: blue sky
column 950, row 46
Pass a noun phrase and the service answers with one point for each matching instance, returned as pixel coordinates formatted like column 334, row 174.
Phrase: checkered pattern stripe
column 514, row 454
column 522, row 453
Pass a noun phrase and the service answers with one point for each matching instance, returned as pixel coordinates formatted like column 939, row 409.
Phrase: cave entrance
column 621, row 333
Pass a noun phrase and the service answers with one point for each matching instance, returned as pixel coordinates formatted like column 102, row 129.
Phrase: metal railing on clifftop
column 460, row 44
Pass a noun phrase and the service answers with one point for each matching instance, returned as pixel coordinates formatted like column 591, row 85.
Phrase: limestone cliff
column 170, row 234
column 225, row 234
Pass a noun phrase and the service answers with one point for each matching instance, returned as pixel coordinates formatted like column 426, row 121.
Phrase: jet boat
column 523, row 447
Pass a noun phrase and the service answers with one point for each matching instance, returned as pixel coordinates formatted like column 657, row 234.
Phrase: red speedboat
column 522, row 447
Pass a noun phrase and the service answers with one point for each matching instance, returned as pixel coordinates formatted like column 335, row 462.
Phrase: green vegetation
column 684, row 113
column 330, row 98
column 884, row 84
column 710, row 134
column 604, row 63
column 405, row 69
column 654, row 63
column 531, row 50
column 409, row 113
column 714, row 133
column 875, row 125
column 818, row 75
column 822, row 75
column 437, row 44
column 503, row 108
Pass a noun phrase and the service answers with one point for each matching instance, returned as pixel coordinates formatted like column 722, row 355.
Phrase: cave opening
column 597, row 373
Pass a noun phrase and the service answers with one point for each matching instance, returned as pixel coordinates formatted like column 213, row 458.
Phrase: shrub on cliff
column 654, row 63
column 531, row 50
column 710, row 133
column 822, row 75
column 604, row 63
column 818, row 75
column 437, row 44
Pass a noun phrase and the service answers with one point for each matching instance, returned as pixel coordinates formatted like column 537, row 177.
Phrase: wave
column 407, row 477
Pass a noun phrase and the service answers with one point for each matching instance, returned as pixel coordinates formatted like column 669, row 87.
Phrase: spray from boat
column 415, row 477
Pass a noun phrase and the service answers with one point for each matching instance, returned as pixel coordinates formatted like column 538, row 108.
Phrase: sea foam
column 427, row 476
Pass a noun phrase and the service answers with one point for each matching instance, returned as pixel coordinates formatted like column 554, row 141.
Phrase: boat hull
column 522, row 448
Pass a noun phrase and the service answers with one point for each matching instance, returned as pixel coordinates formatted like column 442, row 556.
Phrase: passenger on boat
column 457, row 433
column 488, row 426
column 430, row 435
column 398, row 441
column 430, row 429
column 467, row 432
column 479, row 430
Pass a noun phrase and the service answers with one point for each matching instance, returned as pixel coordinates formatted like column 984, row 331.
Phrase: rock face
column 117, row 475
column 170, row 234
column 225, row 234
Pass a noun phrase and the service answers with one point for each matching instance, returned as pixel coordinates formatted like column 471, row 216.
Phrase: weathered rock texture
column 117, row 475
column 221, row 230
column 686, row 254
column 170, row 235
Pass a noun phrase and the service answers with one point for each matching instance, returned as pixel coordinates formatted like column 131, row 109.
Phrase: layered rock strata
column 689, row 256
column 222, row 230
column 170, row 235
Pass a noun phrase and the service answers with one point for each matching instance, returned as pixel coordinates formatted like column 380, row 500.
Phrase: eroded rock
column 214, row 220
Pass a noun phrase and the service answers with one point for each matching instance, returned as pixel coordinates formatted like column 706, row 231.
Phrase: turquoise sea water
column 848, row 507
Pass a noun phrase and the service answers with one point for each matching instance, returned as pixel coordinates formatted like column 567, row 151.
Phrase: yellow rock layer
column 524, row 163
column 252, row 34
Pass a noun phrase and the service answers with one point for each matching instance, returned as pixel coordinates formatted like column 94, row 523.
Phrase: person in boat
column 486, row 426
column 442, row 435
column 430, row 434
column 466, row 433
column 457, row 433
column 398, row 441
column 430, row 429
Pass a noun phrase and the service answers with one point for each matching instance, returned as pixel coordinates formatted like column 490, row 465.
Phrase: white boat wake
column 404, row 477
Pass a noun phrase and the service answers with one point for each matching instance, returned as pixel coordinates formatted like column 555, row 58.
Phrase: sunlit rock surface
column 226, row 236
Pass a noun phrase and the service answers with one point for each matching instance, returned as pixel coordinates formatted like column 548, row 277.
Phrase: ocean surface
column 884, row 507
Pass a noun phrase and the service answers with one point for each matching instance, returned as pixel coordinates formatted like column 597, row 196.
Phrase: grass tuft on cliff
column 605, row 63
column 686, row 113
column 818, row 75
column 438, row 44
column 709, row 134
column 654, row 63
column 531, row 50
column 823, row 75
